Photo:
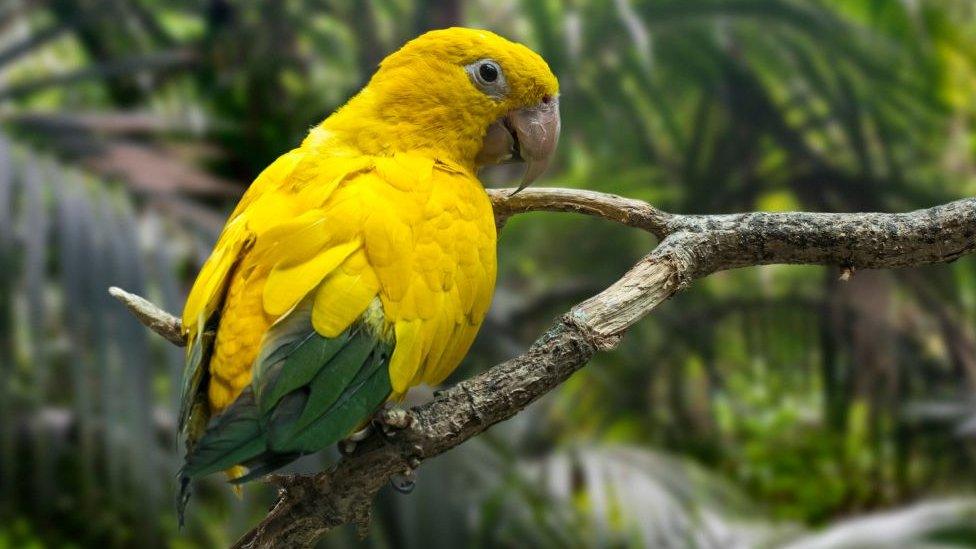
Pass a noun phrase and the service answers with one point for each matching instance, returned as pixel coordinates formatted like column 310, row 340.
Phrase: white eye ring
column 481, row 73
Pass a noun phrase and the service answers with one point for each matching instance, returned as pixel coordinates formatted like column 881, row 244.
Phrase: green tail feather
column 307, row 393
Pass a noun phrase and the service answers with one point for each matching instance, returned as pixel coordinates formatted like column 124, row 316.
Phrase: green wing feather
column 307, row 392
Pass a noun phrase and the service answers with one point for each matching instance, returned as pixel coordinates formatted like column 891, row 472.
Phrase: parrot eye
column 488, row 72
column 488, row 77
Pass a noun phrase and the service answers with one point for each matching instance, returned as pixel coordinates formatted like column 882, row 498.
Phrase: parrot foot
column 348, row 445
column 405, row 482
column 391, row 420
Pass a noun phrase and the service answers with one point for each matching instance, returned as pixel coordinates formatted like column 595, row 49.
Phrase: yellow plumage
column 380, row 202
column 419, row 236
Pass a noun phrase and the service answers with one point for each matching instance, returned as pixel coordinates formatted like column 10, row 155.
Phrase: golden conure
column 361, row 263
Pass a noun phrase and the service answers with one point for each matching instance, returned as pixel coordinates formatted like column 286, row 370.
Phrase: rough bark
column 691, row 247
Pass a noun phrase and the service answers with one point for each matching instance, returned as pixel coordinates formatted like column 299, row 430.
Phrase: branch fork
column 691, row 247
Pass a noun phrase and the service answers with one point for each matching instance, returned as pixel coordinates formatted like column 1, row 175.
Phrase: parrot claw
column 391, row 420
column 348, row 445
column 388, row 421
column 404, row 482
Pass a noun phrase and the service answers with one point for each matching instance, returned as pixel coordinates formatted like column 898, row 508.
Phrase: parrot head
column 465, row 96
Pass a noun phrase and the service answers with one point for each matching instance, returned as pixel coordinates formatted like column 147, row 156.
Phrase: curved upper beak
column 529, row 134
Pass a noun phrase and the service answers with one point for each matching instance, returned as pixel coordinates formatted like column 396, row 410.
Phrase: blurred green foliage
column 793, row 399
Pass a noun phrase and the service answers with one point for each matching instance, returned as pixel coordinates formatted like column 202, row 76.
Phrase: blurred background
column 762, row 407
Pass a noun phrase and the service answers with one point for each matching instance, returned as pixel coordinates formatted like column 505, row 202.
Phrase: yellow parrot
column 361, row 263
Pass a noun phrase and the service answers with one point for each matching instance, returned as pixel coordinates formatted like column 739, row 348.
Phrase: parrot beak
column 525, row 135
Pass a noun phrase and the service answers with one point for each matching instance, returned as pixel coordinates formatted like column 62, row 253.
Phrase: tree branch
column 626, row 211
column 691, row 247
column 151, row 316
